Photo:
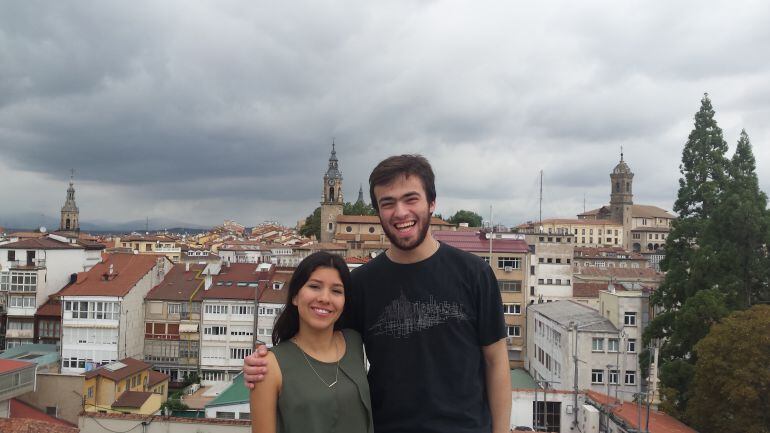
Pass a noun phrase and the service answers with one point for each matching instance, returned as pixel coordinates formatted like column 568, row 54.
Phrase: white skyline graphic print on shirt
column 404, row 317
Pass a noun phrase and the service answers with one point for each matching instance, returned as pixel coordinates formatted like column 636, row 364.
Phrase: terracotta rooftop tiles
column 26, row 425
column 180, row 284
column 131, row 399
column 475, row 242
column 156, row 377
column 132, row 366
column 19, row 409
column 127, row 270
column 11, row 365
column 591, row 290
column 40, row 243
column 51, row 308
column 659, row 422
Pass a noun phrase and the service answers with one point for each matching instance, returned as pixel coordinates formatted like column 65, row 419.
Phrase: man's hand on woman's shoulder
column 255, row 366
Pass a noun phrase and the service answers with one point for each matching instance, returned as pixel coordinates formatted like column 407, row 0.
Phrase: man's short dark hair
column 402, row 165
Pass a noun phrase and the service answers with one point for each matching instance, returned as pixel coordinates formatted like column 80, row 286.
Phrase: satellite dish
column 43, row 229
column 372, row 254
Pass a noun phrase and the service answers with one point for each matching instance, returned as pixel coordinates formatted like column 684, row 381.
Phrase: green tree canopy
column 312, row 226
column 358, row 208
column 466, row 216
column 731, row 381
column 716, row 256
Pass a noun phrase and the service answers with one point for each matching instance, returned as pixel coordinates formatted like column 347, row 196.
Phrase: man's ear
column 432, row 206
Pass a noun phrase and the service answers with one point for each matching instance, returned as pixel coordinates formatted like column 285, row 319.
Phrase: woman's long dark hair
column 287, row 324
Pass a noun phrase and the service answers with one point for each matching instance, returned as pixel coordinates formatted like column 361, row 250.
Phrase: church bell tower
column 332, row 202
column 622, row 197
column 70, row 214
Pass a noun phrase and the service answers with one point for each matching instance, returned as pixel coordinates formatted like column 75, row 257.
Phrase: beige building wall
column 513, row 285
column 587, row 233
column 131, row 333
column 63, row 391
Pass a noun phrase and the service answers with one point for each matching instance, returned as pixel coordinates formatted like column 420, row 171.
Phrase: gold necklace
column 336, row 354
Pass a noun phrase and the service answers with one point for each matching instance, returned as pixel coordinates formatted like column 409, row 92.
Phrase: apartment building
column 586, row 232
column 151, row 244
column 244, row 252
column 125, row 386
column 571, row 345
column 510, row 260
column 550, row 270
column 227, row 317
column 103, row 311
column 608, row 257
column 272, row 299
column 172, row 313
column 31, row 270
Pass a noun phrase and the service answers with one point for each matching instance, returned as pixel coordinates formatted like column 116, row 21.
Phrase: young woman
column 317, row 381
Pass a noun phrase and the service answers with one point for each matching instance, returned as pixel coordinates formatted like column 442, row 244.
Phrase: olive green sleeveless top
column 307, row 405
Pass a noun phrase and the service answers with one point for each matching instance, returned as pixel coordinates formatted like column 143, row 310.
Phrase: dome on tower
column 622, row 167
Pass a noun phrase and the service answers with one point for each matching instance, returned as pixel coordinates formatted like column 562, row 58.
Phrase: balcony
column 161, row 336
column 20, row 333
column 21, row 311
column 27, row 264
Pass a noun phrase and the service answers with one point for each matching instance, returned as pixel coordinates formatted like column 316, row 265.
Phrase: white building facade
column 98, row 329
column 564, row 334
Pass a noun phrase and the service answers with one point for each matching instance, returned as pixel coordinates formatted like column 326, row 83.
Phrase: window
column 597, row 344
column 215, row 309
column 90, row 392
column 174, row 308
column 239, row 353
column 629, row 319
column 613, row 345
column 612, row 377
column 597, row 376
column 632, row 345
column 512, row 308
column 244, row 310
column 22, row 302
column 541, row 260
column 229, row 415
column 348, row 229
column 514, row 331
column 508, row 262
column 215, row 330
column 630, row 377
column 509, row 286
column 11, row 255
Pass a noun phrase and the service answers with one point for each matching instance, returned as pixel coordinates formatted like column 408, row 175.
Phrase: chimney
column 187, row 267
column 207, row 282
column 111, row 269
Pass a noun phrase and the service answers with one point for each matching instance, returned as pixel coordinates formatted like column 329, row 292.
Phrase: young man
column 430, row 316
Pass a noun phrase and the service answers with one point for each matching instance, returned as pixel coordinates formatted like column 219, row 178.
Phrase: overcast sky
column 201, row 111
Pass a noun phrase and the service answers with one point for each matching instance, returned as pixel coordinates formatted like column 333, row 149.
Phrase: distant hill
column 30, row 221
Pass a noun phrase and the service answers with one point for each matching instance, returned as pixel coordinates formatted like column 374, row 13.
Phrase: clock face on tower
column 331, row 182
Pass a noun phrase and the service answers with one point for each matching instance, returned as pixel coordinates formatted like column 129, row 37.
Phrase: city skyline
column 237, row 122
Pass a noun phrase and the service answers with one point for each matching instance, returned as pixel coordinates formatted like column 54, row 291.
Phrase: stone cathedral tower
column 621, row 196
column 332, row 203
column 70, row 214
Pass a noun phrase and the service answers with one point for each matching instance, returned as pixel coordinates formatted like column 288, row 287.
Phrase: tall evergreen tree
column 737, row 233
column 704, row 170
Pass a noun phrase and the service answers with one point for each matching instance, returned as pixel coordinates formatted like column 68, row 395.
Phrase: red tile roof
column 591, row 290
column 51, row 308
column 327, row 246
column 629, row 412
column 179, row 284
column 475, row 242
column 156, row 377
column 357, row 260
column 11, row 365
column 26, row 425
column 225, row 284
column 128, row 269
column 133, row 366
column 19, row 409
column 606, row 252
column 41, row 243
column 132, row 399
column 374, row 219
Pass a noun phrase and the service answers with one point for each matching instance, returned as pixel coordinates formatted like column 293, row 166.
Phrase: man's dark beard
column 395, row 240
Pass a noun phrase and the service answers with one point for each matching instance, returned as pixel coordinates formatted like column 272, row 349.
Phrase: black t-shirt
column 423, row 326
